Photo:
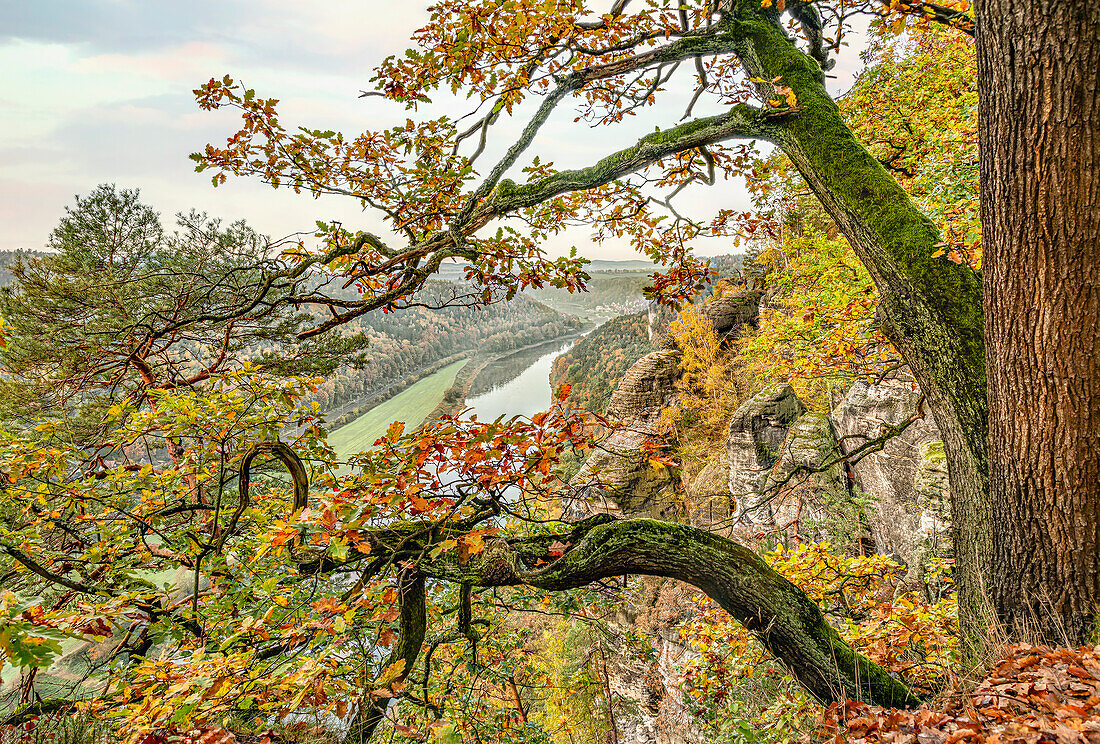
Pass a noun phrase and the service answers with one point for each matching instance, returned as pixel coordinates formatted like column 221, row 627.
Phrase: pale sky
column 99, row 91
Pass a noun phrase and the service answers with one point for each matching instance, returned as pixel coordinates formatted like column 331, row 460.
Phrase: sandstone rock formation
column 615, row 479
column 652, row 682
column 659, row 318
column 786, row 473
column 806, row 488
column 781, row 471
column 906, row 481
column 731, row 313
column 728, row 315
column 708, row 498
column 756, row 435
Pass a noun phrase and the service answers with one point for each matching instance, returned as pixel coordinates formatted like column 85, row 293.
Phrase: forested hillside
column 594, row 366
column 607, row 293
column 403, row 342
column 7, row 260
column 613, row 291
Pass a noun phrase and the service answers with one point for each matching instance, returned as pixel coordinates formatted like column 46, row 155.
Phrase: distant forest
column 615, row 288
column 405, row 342
column 8, row 259
column 594, row 366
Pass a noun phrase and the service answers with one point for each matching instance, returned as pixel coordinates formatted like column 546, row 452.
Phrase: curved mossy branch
column 932, row 308
column 294, row 466
column 789, row 624
column 410, row 639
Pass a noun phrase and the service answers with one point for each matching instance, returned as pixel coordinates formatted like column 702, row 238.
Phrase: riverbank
column 349, row 412
column 355, row 426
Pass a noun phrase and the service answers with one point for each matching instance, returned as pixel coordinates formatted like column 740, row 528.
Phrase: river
column 518, row 384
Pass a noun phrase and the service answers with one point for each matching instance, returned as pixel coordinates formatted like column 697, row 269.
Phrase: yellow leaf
column 391, row 673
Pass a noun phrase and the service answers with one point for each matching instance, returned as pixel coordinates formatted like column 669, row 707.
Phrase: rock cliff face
column 787, row 472
column 660, row 317
column 615, row 479
column 809, row 487
column 729, row 314
column 757, row 433
column 905, row 481
column 652, row 682
column 782, row 470
column 711, row 503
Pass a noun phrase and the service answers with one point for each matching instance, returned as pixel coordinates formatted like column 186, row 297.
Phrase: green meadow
column 411, row 405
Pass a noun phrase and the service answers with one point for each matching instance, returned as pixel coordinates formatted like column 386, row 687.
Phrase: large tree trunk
column 931, row 308
column 1039, row 88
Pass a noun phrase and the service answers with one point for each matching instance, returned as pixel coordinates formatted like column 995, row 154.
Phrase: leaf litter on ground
column 1036, row 695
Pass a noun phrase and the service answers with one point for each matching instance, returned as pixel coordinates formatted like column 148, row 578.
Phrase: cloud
column 345, row 35
column 100, row 91
column 188, row 61
column 114, row 25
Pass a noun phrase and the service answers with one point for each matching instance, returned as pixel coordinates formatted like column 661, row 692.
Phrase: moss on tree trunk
column 931, row 308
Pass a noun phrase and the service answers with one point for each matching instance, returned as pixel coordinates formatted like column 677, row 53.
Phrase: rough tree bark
column 1039, row 91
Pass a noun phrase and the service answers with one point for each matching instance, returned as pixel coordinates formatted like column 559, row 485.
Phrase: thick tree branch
column 34, row 567
column 372, row 709
column 932, row 308
column 30, row 711
column 522, row 143
column 741, row 121
column 779, row 614
column 154, row 609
